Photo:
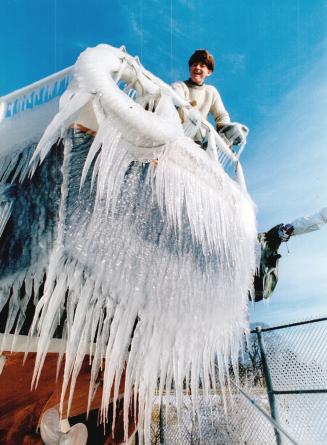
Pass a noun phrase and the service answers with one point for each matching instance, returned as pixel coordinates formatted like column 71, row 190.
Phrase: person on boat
column 207, row 100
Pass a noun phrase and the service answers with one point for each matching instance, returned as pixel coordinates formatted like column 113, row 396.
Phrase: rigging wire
column 141, row 32
column 171, row 40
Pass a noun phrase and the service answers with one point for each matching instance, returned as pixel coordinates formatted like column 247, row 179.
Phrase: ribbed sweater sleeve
column 217, row 109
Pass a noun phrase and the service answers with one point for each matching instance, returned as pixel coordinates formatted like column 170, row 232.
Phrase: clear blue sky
column 271, row 71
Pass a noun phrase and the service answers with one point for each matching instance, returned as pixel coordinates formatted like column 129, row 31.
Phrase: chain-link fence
column 279, row 399
column 296, row 358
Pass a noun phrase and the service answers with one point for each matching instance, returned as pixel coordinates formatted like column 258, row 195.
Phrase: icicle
column 61, row 120
column 2, row 362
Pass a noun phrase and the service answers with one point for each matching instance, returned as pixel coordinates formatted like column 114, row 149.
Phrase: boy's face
column 199, row 72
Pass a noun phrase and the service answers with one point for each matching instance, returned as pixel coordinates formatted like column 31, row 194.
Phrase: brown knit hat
column 202, row 56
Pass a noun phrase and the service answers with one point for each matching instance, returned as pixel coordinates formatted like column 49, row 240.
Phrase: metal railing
column 34, row 95
column 53, row 86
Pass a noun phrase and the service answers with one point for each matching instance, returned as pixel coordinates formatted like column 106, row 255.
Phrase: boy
column 206, row 99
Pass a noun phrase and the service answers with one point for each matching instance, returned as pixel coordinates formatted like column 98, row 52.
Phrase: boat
column 128, row 252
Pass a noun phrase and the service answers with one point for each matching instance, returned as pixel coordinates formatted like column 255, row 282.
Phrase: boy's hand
column 235, row 133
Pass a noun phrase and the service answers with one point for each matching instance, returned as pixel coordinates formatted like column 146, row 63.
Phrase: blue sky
column 271, row 61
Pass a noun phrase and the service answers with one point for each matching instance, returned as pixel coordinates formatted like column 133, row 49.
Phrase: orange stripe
column 83, row 129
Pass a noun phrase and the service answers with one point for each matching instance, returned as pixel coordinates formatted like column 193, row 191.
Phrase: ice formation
column 148, row 265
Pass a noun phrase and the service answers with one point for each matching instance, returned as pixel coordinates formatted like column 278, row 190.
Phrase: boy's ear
column 209, row 72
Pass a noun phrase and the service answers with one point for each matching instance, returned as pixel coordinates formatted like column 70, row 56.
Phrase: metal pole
column 302, row 391
column 290, row 325
column 270, row 391
column 161, row 432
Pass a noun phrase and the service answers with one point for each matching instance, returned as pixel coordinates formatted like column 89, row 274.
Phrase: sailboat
column 127, row 252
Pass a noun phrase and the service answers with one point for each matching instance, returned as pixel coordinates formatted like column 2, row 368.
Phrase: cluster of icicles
column 153, row 261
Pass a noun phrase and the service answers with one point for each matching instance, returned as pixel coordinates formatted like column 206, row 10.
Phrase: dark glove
column 285, row 232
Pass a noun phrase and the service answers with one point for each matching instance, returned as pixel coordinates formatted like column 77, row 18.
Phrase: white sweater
column 207, row 100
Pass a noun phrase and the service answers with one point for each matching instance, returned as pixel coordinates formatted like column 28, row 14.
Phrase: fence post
column 267, row 376
column 161, row 423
